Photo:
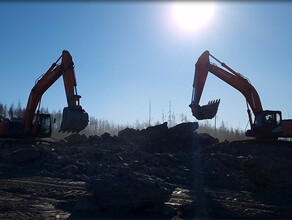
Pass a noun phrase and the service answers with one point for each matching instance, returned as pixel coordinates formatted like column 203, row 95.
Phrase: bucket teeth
column 213, row 102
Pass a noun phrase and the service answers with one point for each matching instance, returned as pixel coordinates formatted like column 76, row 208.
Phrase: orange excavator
column 267, row 124
column 33, row 124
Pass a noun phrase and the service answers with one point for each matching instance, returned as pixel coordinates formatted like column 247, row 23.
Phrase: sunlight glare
column 191, row 16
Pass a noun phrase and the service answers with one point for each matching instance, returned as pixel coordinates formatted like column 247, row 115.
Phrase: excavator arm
column 236, row 80
column 74, row 118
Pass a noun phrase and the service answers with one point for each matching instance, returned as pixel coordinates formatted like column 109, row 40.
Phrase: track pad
column 206, row 111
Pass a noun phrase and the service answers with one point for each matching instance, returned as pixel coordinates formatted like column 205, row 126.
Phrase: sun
column 191, row 16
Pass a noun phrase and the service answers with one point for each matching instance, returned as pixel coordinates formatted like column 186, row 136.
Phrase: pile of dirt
column 158, row 172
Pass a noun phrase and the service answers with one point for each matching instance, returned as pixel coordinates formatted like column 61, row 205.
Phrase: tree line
column 100, row 126
column 222, row 132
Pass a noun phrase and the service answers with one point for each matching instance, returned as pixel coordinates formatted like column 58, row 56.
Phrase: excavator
column 34, row 124
column 267, row 124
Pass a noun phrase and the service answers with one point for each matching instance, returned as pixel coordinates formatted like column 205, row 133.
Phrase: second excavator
column 33, row 124
column 267, row 124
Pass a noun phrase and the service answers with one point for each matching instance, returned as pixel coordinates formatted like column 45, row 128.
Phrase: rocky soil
column 155, row 173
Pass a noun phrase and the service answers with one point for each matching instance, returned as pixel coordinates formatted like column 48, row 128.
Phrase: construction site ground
column 155, row 173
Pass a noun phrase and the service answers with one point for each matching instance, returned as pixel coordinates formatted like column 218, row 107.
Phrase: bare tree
column 11, row 111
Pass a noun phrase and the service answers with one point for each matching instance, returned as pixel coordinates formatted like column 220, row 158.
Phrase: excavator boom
column 201, row 72
column 236, row 80
column 33, row 123
column 74, row 119
column 267, row 124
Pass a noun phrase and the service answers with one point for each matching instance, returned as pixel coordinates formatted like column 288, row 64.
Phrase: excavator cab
column 44, row 127
column 267, row 124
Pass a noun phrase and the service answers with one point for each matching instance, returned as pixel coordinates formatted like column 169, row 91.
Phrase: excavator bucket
column 206, row 111
column 74, row 120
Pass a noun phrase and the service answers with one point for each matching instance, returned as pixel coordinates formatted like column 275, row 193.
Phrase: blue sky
column 127, row 54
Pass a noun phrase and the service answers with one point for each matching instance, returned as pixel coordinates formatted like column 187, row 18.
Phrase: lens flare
column 191, row 16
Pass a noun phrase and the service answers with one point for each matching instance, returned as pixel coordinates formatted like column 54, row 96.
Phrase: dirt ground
column 190, row 177
column 38, row 197
column 53, row 198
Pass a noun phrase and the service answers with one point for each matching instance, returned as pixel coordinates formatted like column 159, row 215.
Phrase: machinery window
column 278, row 118
column 273, row 118
column 258, row 119
column 269, row 118
column 45, row 124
